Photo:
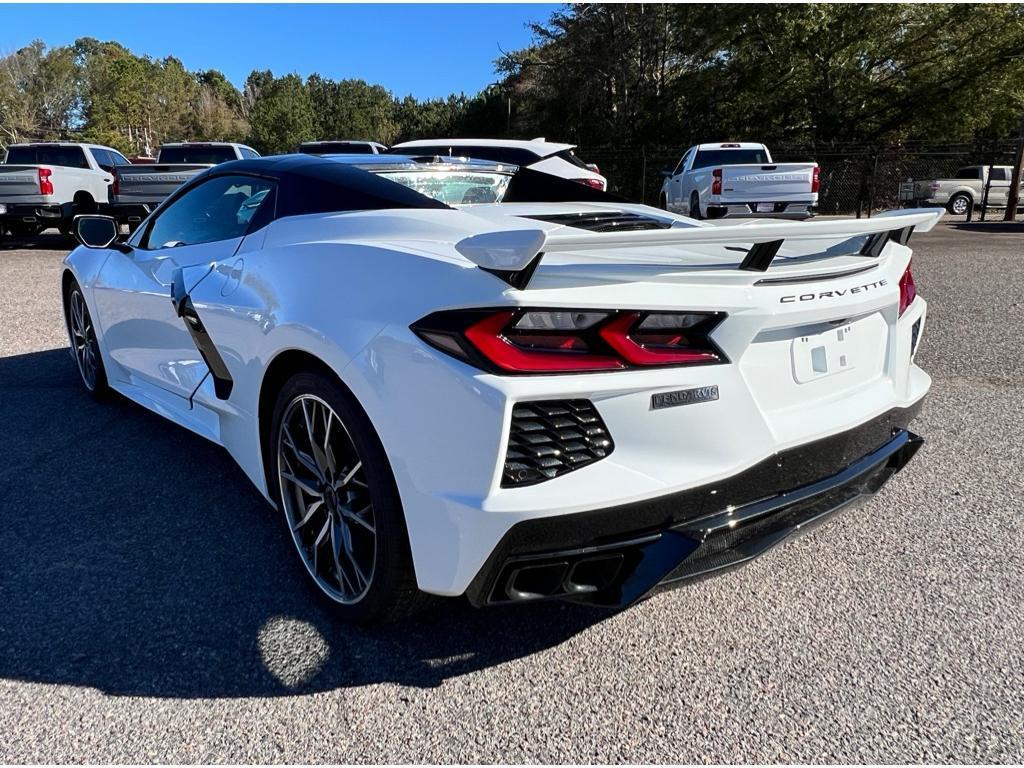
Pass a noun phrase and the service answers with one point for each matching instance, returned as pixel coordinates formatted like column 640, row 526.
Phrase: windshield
column 70, row 157
column 453, row 187
column 708, row 157
column 198, row 154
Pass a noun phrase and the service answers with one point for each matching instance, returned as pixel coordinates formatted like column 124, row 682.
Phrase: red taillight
column 115, row 185
column 908, row 290
column 571, row 341
column 45, row 185
column 815, row 179
column 490, row 337
column 716, row 181
column 591, row 182
column 662, row 345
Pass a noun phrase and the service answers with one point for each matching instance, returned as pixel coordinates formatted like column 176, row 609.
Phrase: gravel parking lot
column 152, row 608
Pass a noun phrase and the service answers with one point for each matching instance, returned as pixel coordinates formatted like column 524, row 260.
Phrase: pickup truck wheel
column 695, row 206
column 959, row 204
column 84, row 205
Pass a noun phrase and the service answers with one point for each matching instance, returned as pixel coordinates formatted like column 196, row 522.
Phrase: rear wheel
column 959, row 204
column 84, row 346
column 331, row 478
column 695, row 206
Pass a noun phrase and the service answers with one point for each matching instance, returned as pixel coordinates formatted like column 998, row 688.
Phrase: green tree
column 282, row 114
column 38, row 93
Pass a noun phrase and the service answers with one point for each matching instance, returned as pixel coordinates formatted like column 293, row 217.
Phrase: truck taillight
column 45, row 185
column 908, row 290
column 815, row 179
column 716, row 181
column 115, row 185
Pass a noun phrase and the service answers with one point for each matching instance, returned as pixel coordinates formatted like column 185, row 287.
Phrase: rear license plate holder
column 823, row 354
column 766, row 207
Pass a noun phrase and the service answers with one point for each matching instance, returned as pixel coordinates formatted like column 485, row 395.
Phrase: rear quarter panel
column 329, row 299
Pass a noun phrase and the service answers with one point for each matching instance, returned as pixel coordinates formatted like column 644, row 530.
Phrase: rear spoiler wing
column 513, row 255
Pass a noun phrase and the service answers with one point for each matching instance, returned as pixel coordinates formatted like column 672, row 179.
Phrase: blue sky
column 425, row 50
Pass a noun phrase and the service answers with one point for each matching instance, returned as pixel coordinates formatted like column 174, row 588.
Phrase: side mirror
column 666, row 172
column 95, row 231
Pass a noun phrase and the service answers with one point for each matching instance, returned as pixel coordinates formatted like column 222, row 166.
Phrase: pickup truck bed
column 141, row 188
column 782, row 189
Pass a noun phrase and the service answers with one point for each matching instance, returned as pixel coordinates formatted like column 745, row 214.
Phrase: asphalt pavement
column 151, row 608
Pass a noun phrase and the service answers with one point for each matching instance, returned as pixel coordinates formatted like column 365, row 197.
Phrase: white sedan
column 467, row 379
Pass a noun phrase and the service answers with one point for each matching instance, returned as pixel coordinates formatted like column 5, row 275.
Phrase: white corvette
column 467, row 379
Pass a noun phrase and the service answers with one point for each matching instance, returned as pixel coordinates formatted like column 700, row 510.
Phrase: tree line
column 819, row 75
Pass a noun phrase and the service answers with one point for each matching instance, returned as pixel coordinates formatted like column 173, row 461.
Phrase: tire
column 959, row 204
column 331, row 479
column 84, row 347
column 83, row 205
column 694, row 211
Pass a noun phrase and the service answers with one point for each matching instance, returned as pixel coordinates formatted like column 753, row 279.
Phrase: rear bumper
column 800, row 209
column 29, row 213
column 130, row 214
column 613, row 557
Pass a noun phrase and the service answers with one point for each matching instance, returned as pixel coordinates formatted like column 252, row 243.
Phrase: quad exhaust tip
column 562, row 578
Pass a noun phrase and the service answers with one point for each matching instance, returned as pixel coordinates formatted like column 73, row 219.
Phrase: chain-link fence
column 854, row 178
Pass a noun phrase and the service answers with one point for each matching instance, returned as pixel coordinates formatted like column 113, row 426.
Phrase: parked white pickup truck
column 47, row 184
column 141, row 188
column 963, row 192
column 739, row 179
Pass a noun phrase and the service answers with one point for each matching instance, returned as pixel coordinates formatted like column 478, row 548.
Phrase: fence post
column 874, row 177
column 1013, row 194
column 643, row 174
column 984, row 196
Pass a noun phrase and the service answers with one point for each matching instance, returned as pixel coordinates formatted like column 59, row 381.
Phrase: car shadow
column 137, row 559
column 49, row 240
column 1015, row 227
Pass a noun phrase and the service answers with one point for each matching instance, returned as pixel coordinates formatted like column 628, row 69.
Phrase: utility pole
column 1013, row 197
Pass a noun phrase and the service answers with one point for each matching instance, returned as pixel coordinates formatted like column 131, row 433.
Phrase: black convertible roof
column 322, row 184
column 313, row 184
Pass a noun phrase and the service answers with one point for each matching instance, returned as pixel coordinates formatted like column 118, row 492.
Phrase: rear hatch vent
column 551, row 437
column 604, row 221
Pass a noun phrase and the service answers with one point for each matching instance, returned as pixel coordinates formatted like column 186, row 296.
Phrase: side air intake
column 549, row 438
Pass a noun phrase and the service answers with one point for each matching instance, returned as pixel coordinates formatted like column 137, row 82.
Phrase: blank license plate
column 765, row 207
column 823, row 354
column 3, row 208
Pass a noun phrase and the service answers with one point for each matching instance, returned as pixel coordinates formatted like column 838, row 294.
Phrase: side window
column 118, row 158
column 248, row 154
column 220, row 208
column 1000, row 174
column 682, row 162
column 969, row 173
column 103, row 158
